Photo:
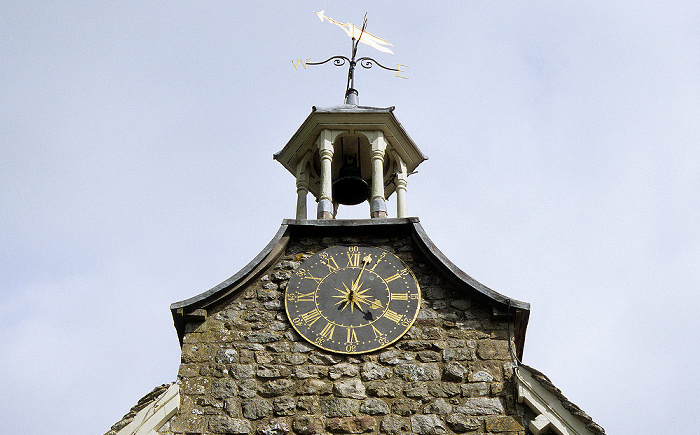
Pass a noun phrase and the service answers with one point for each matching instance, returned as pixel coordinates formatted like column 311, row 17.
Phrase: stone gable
column 244, row 370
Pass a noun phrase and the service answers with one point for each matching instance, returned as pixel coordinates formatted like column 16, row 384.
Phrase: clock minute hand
column 365, row 260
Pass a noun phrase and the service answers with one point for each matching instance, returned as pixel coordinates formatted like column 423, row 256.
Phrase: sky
column 136, row 170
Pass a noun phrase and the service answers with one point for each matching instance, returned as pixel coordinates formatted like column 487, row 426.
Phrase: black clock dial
column 352, row 299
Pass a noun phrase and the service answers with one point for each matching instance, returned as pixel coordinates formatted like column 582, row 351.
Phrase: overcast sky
column 136, row 170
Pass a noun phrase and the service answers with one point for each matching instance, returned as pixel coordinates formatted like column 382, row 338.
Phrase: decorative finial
column 357, row 35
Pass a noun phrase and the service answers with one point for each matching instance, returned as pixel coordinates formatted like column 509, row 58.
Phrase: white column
column 377, row 204
column 325, row 197
column 400, row 179
column 302, row 186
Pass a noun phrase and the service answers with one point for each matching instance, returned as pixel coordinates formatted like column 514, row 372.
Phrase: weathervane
column 357, row 35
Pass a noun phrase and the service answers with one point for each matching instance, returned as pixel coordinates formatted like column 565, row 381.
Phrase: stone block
column 432, row 333
column 188, row 371
column 395, row 357
column 433, row 292
column 195, row 386
column 248, row 388
column 284, row 405
column 308, row 404
column 441, row 305
column 418, row 372
column 308, row 425
column 493, row 349
column 461, row 304
column 232, row 426
column 415, row 345
column 502, row 423
column 275, row 305
column 223, row 388
column 314, row 386
column 352, row 388
column 212, row 370
column 454, row 372
column 427, row 424
column 310, row 371
column 464, row 354
column 339, row 407
column 232, row 406
column 441, row 389
column 192, row 353
column 293, row 358
column 496, row 388
column 255, row 409
column 383, row 389
column 485, row 371
column 281, row 276
column 287, row 265
column 343, row 369
column 263, row 337
column 480, row 406
column 276, row 426
column 271, row 372
column 427, row 314
column 263, row 358
column 394, row 425
column 405, row 407
column 460, row 423
column 429, row 356
column 476, row 389
column 302, row 347
column 226, row 356
column 372, row 371
column 187, row 423
column 323, row 359
column 439, row 406
column 351, row 425
column 242, row 371
column 418, row 391
column 374, row 406
column 276, row 387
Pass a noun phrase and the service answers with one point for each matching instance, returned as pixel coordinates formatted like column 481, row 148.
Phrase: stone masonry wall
column 246, row 371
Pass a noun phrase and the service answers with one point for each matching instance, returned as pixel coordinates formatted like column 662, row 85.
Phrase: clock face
column 352, row 299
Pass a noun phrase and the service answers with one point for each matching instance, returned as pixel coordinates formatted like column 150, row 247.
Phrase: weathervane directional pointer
column 357, row 35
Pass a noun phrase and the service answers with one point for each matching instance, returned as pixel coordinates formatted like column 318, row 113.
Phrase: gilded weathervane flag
column 354, row 32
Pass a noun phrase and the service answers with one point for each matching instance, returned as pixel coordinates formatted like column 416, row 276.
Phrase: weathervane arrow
column 357, row 35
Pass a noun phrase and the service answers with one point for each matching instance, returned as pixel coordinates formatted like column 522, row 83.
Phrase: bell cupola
column 349, row 155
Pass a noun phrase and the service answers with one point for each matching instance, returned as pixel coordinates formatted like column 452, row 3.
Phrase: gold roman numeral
column 310, row 317
column 397, row 275
column 377, row 332
column 332, row 265
column 352, row 337
column 398, row 296
column 353, row 260
column 393, row 316
column 305, row 297
column 305, row 274
column 327, row 332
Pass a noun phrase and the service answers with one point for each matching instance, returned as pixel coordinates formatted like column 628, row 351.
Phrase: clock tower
column 353, row 326
column 350, row 326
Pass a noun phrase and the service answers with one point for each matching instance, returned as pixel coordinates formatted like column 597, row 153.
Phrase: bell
column 350, row 188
